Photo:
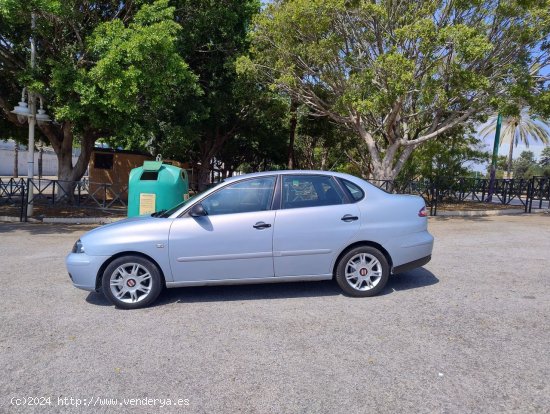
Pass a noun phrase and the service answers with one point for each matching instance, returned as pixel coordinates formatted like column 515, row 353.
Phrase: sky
column 536, row 148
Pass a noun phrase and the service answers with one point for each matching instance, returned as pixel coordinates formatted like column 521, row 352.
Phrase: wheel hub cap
column 363, row 271
column 131, row 282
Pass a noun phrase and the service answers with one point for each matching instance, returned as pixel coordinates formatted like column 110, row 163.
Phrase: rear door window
column 310, row 191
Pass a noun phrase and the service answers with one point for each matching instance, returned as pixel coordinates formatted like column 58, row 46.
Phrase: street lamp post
column 28, row 113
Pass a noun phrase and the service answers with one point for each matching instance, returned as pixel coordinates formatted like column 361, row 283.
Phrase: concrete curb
column 64, row 220
column 477, row 213
column 12, row 219
column 80, row 220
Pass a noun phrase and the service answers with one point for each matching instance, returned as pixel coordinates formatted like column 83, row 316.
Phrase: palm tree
column 522, row 128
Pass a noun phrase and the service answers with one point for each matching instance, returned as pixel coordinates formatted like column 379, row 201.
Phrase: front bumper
column 83, row 269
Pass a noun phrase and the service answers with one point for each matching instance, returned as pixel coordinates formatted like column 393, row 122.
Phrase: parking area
column 469, row 332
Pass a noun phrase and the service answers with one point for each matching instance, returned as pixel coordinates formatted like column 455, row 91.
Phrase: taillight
column 422, row 212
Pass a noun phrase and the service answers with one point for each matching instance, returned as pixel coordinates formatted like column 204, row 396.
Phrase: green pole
column 494, row 160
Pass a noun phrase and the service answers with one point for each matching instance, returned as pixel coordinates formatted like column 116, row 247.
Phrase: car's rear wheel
column 131, row 282
column 362, row 271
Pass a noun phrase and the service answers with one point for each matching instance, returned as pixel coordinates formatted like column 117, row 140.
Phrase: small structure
column 109, row 170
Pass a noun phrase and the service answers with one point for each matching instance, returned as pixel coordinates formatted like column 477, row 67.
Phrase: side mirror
column 197, row 211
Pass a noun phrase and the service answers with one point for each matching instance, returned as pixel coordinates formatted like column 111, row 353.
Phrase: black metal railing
column 112, row 197
column 539, row 192
column 83, row 194
column 520, row 192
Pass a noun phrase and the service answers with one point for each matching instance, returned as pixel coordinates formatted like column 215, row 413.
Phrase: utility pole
column 494, row 160
column 16, row 160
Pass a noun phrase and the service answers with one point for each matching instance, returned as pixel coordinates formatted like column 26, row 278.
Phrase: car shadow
column 413, row 279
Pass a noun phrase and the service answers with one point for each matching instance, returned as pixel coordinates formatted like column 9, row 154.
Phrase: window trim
column 336, row 184
column 185, row 213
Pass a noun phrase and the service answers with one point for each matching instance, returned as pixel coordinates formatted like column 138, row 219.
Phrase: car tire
column 131, row 282
column 362, row 271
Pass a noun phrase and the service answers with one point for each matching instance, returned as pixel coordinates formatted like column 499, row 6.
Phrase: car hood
column 121, row 235
column 122, row 222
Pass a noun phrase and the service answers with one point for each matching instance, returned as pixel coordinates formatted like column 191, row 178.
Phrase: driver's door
column 235, row 239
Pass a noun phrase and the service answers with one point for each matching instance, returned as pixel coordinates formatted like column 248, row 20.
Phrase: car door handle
column 261, row 225
column 348, row 217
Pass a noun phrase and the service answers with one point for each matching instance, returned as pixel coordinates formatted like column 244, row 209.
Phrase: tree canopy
column 353, row 85
column 105, row 69
column 399, row 74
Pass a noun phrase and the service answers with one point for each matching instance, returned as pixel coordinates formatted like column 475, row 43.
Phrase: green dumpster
column 156, row 186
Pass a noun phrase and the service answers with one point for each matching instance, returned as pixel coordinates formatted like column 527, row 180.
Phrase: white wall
column 7, row 154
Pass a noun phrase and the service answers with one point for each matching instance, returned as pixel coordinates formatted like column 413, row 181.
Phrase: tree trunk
column 324, row 159
column 16, row 161
column 292, row 133
column 68, row 174
column 65, row 185
column 203, row 175
column 510, row 154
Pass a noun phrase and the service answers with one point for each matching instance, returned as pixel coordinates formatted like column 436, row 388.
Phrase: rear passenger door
column 314, row 223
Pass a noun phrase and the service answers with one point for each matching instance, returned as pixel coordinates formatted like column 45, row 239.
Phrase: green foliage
column 398, row 74
column 213, row 35
column 135, row 74
column 106, row 69
column 449, row 156
column 525, row 165
column 321, row 144
column 544, row 160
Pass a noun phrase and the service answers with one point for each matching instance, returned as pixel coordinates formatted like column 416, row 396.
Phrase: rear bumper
column 411, row 265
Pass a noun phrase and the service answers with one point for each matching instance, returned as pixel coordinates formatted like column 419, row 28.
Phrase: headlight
column 78, row 247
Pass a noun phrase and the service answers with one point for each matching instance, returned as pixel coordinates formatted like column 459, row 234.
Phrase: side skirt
column 273, row 279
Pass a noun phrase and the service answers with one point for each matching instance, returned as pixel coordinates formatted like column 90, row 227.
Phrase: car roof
column 290, row 172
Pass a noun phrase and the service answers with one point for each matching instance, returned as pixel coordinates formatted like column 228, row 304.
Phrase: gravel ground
column 469, row 332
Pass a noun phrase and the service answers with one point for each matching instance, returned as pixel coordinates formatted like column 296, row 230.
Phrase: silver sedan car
column 279, row 226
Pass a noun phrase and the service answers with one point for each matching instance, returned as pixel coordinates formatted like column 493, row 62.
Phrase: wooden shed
column 109, row 170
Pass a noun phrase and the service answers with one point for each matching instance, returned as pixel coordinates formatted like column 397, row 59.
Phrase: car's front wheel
column 362, row 271
column 131, row 282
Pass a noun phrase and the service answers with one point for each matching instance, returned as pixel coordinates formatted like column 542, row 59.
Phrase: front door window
column 242, row 197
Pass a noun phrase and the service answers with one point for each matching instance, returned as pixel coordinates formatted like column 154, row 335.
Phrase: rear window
column 354, row 190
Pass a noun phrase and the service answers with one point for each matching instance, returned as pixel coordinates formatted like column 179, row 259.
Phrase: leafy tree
column 445, row 158
column 521, row 128
column 322, row 144
column 107, row 69
column 544, row 160
column 261, row 140
column 399, row 74
column 525, row 165
column 214, row 34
